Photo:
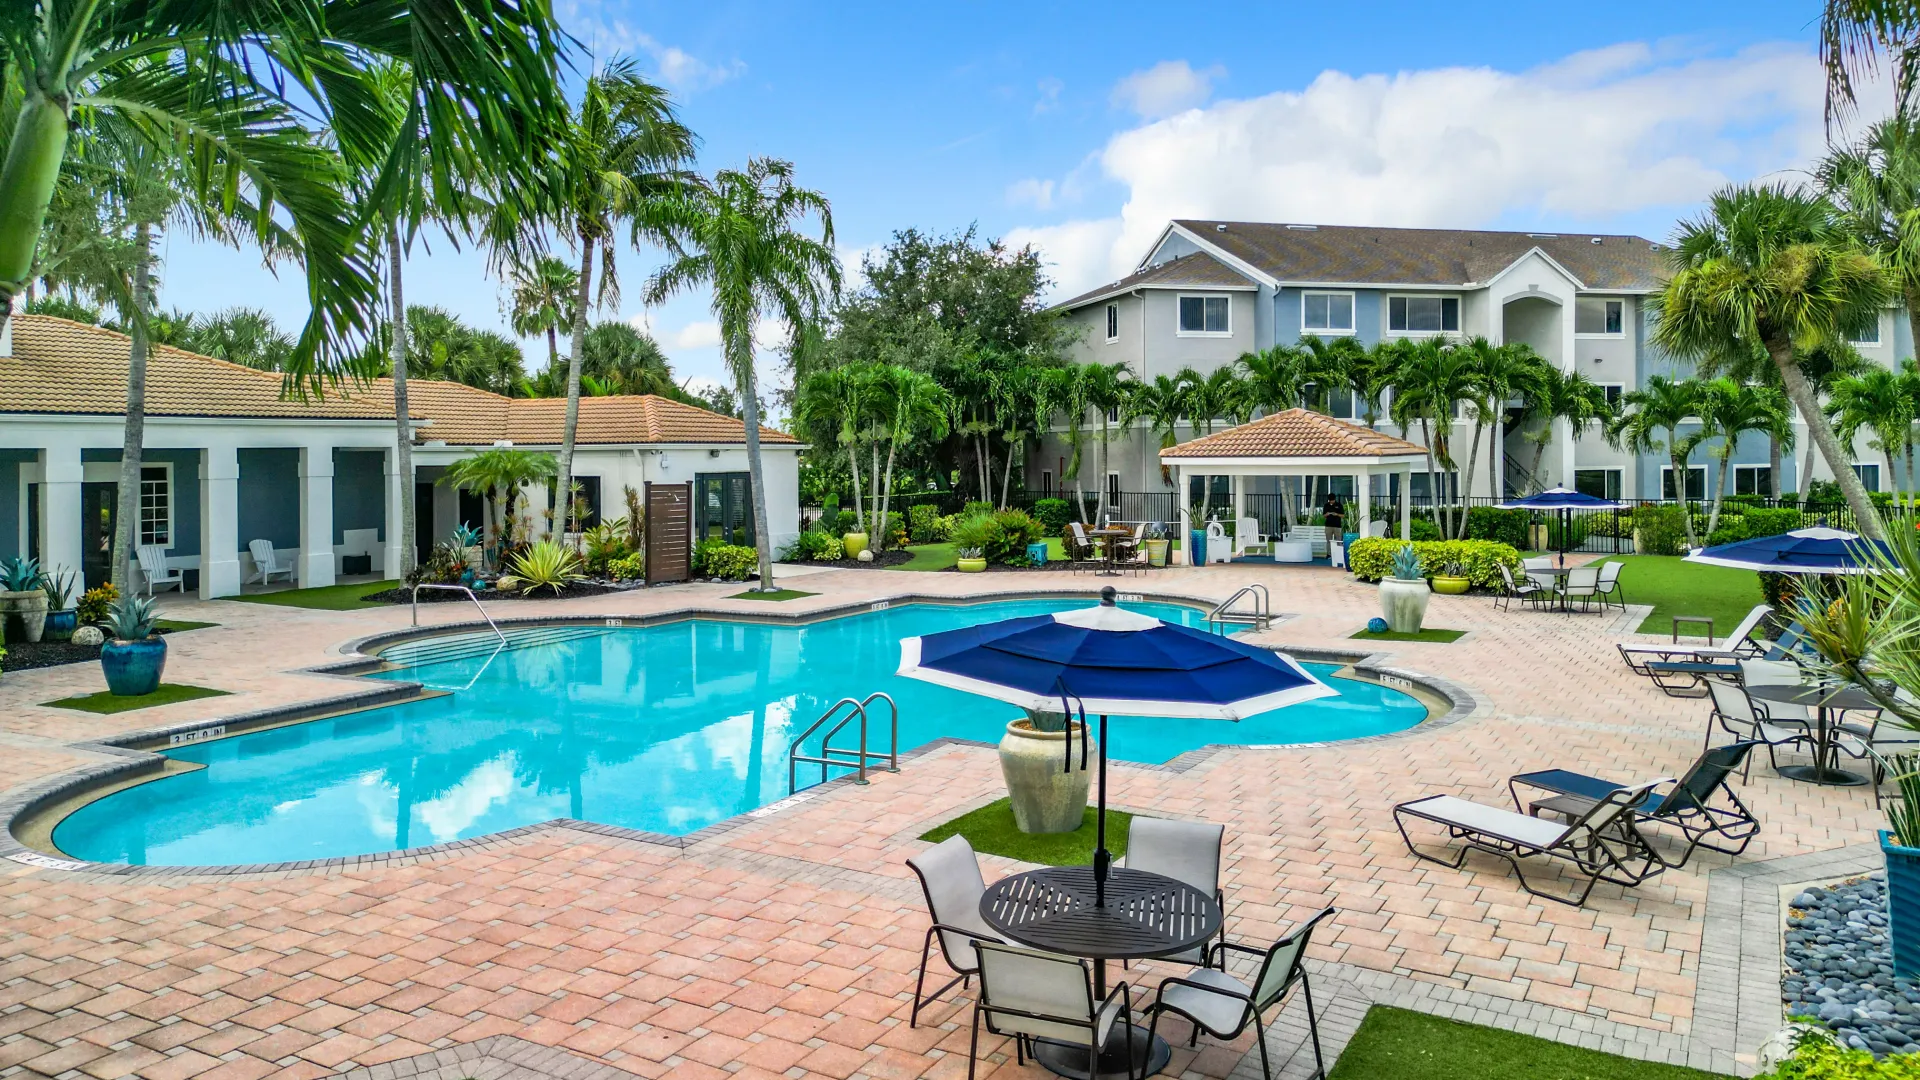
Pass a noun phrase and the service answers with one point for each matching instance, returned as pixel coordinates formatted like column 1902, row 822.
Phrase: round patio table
column 1823, row 700
column 1146, row 915
column 1111, row 535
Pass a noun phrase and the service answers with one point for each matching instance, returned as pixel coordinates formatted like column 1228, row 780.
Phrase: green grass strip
column 928, row 557
column 991, row 831
column 1427, row 634
column 180, row 626
column 325, row 598
column 777, row 594
column 1675, row 587
column 106, row 702
column 1407, row 1045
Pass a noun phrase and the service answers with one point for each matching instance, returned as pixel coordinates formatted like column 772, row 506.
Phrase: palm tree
column 1563, row 395
column 1501, row 374
column 220, row 87
column 915, row 405
column 1882, row 402
column 1016, row 398
column 242, row 335
column 542, row 301
column 1062, row 391
column 1852, row 35
column 1103, row 388
column 741, row 236
column 833, row 404
column 1769, row 264
column 1162, row 404
column 1652, row 422
column 500, row 473
column 1433, row 378
column 1876, row 184
column 1729, row 409
column 627, row 361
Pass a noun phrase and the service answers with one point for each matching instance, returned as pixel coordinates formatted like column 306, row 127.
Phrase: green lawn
column 1424, row 634
column 326, row 598
column 106, row 702
column 775, row 595
column 1683, row 588
column 927, row 557
column 991, row 830
column 1402, row 1045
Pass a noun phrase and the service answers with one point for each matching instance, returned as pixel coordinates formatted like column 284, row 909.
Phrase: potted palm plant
column 62, row 619
column 133, row 657
column 1046, row 797
column 1452, row 579
column 23, row 603
column 1404, row 592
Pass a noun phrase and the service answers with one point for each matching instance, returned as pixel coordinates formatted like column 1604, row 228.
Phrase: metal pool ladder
column 458, row 589
column 1259, row 618
column 847, row 709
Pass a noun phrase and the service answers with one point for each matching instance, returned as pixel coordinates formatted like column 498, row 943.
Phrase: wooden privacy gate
column 669, row 532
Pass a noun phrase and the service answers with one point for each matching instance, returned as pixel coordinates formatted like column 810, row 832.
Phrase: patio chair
column 156, row 572
column 1248, row 540
column 949, row 874
column 1040, row 995
column 1079, row 545
column 1186, row 851
column 1740, row 716
column 1601, row 844
column 1609, row 590
column 1223, row 1006
column 1701, row 804
column 1583, row 583
column 1527, row 591
column 1737, row 644
column 1376, row 529
column 266, row 562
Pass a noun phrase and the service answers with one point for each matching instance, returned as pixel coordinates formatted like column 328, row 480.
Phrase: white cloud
column 696, row 335
column 1598, row 135
column 1031, row 192
column 1168, row 87
column 607, row 37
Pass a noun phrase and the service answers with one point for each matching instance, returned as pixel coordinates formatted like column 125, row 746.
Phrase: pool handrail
column 846, row 759
column 1260, row 618
column 459, row 589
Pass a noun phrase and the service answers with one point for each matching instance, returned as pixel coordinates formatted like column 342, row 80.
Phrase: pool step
column 440, row 650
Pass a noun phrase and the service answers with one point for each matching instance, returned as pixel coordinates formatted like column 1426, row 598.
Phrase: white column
column 1363, row 493
column 397, row 489
column 316, row 563
column 1183, row 557
column 1406, row 502
column 1563, row 435
column 219, row 522
column 61, row 472
column 1239, row 499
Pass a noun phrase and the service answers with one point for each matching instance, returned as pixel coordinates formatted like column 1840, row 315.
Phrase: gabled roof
column 1194, row 270
column 1295, row 433
column 1366, row 255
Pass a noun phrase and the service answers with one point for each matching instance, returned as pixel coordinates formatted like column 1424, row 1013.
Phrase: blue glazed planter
column 1199, row 548
column 133, row 667
column 61, row 625
column 1903, row 904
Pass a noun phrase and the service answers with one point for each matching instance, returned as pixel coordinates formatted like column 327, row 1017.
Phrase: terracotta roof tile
column 1197, row 269
column 461, row 415
column 1295, row 433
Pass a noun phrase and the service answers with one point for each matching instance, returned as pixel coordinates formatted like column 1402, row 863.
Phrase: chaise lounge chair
column 1701, row 804
column 1601, row 844
column 1738, row 644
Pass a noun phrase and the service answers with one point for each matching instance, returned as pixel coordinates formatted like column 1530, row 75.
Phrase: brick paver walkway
column 785, row 947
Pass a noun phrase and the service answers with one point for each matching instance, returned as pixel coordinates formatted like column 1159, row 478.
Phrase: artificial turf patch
column 991, row 831
column 1408, row 1045
column 777, row 594
column 176, row 626
column 107, row 702
column 1428, row 634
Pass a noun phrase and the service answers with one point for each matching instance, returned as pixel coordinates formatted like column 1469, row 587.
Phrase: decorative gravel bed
column 26, row 655
column 1840, row 967
column 443, row 596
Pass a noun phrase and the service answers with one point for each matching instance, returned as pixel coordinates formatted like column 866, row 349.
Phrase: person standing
column 1336, row 518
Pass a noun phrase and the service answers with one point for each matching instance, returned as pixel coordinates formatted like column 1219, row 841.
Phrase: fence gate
column 669, row 532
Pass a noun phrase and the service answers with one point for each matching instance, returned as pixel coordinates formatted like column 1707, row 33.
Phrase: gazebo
column 1302, row 443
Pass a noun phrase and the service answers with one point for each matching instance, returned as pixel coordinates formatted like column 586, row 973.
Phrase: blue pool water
column 668, row 728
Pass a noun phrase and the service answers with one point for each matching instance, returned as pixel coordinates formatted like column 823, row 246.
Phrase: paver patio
column 785, row 946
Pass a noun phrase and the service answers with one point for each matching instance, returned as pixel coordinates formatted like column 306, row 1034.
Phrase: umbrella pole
column 1100, row 857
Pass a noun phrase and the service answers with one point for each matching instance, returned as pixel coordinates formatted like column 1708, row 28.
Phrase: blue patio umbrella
column 1818, row 550
column 1114, row 662
column 1566, row 502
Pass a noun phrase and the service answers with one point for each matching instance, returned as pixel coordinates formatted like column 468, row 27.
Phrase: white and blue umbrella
column 1818, row 550
column 1565, row 501
column 1113, row 662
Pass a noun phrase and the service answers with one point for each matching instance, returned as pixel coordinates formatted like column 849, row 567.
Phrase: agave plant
column 20, row 574
column 131, row 618
column 466, row 536
column 1406, row 565
column 547, row 565
column 59, row 585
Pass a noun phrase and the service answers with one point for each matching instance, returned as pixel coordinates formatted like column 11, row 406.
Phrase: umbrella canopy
column 1561, row 499
column 1803, row 551
column 1115, row 662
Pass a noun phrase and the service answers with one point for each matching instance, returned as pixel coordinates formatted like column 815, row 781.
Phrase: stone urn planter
column 24, row 614
column 133, row 668
column 1404, row 603
column 1157, row 553
column 1903, row 904
column 854, row 543
column 1047, row 795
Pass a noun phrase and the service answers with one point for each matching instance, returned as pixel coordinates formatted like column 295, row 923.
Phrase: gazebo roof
column 1295, row 433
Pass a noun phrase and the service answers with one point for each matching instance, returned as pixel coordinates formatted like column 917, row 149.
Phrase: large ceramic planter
column 972, row 566
column 1403, row 604
column 854, row 543
column 1157, row 552
column 1903, row 904
column 133, row 667
column 1450, row 586
column 1047, row 795
column 24, row 614
column 60, row 625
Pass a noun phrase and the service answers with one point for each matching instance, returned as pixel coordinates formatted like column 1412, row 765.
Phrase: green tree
column 1883, row 403
column 1104, row 390
column 500, row 474
column 743, row 237
column 1651, row 422
column 1729, row 409
column 1162, row 403
column 628, row 361
column 832, row 406
column 1568, row 396
column 1500, row 374
column 241, row 335
column 912, row 404
column 1431, row 380
column 542, row 300
column 1769, row 264
column 1853, row 34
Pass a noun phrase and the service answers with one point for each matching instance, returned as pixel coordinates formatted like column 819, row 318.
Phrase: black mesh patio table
column 1146, row 915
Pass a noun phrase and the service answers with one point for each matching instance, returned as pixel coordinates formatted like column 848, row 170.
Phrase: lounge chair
column 1030, row 994
column 949, row 874
column 1248, row 540
column 154, row 568
column 1701, row 804
column 1223, row 1006
column 1739, row 643
column 1738, row 715
column 1186, row 851
column 1601, row 844
column 266, row 562
column 1527, row 591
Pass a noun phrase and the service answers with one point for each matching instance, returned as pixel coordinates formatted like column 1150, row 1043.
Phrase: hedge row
column 1372, row 557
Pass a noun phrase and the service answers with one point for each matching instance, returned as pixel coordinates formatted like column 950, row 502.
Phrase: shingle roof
column 1294, row 433
column 1368, row 255
column 1198, row 269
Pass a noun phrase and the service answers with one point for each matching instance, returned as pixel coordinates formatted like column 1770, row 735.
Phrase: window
column 1204, row 315
column 1604, row 318
column 1753, row 480
column 1615, row 391
column 1869, row 475
column 1599, row 483
column 1113, row 415
column 1046, row 481
column 586, row 489
column 1113, row 491
column 1869, row 335
column 1113, row 322
column 1449, row 485
column 1696, row 482
column 1326, row 313
column 1423, row 314
column 156, row 505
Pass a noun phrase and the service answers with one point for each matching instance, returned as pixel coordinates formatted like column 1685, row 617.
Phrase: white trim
column 1353, row 313
column 1738, row 469
column 1602, row 336
column 1112, row 316
column 139, row 504
column 1578, row 285
column 1459, row 314
column 1203, row 297
column 1255, row 465
column 1200, row 241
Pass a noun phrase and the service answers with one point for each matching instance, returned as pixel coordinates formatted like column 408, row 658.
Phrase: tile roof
column 1196, row 268
column 1368, row 255
column 1295, row 433
column 644, row 418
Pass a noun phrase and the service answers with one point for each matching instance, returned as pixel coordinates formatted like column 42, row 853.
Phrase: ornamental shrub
column 1052, row 514
column 730, row 562
column 95, row 602
column 1371, row 558
column 1765, row 521
column 921, row 523
column 976, row 508
column 1816, row 1056
column 1732, row 530
column 630, row 568
column 1660, row 530
column 1503, row 526
column 808, row 545
column 1421, row 529
column 1017, row 530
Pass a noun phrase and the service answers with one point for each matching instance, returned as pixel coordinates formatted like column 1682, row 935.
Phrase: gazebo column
column 1239, row 498
column 1186, row 516
column 1363, row 494
column 1406, row 503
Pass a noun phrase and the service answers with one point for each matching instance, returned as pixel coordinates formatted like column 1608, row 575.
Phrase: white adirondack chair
column 266, row 562
column 154, row 568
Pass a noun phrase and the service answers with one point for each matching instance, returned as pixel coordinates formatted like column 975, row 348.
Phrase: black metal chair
column 1223, row 1006
column 1701, row 804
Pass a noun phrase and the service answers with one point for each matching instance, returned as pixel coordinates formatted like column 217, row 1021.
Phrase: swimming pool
column 667, row 728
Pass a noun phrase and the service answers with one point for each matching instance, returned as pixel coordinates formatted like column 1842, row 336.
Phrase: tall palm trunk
column 1433, row 476
column 1773, row 464
column 1720, row 488
column 403, row 429
column 1679, row 465
column 739, row 338
column 876, row 535
column 126, row 532
column 886, row 499
column 1473, row 461
column 1006, row 474
column 1800, row 392
column 1100, row 504
column 563, row 491
column 853, row 465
